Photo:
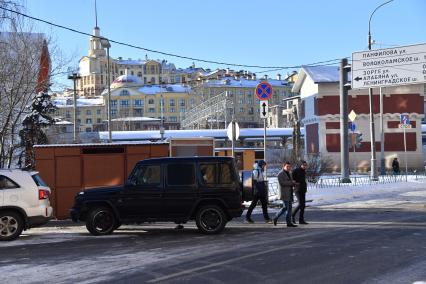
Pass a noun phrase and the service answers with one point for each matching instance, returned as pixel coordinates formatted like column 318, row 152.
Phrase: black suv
column 204, row 189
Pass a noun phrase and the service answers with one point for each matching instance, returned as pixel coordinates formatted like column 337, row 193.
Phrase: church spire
column 96, row 16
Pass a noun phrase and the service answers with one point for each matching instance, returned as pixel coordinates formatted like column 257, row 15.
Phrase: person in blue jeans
column 285, row 193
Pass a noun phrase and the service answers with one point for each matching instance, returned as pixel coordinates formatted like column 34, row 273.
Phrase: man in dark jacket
column 285, row 192
column 395, row 166
column 299, row 176
column 260, row 192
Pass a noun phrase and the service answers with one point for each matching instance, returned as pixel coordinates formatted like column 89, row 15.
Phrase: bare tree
column 25, row 70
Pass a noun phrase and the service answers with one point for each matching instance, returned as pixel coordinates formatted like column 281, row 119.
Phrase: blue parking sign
column 405, row 118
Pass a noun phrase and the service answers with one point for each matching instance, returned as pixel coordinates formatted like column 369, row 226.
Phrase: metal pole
column 233, row 125
column 74, row 140
column 344, row 150
column 109, row 99
column 373, row 168
column 382, row 137
column 74, row 77
column 162, row 116
column 405, row 153
column 264, row 144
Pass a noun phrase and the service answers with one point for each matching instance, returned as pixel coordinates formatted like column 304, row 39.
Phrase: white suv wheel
column 10, row 226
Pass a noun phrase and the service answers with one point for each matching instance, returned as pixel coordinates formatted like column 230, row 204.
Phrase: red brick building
column 319, row 90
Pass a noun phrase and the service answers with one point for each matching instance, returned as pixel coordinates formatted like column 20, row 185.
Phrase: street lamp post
column 106, row 44
column 162, row 111
column 373, row 173
column 74, row 77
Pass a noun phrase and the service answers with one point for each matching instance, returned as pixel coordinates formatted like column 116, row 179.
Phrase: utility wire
column 157, row 51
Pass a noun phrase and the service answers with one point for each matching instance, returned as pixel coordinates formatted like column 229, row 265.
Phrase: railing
column 356, row 180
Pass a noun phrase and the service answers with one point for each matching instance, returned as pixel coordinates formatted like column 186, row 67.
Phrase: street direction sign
column 352, row 126
column 264, row 91
column 389, row 67
column 229, row 131
column 352, row 115
column 404, row 118
column 263, row 107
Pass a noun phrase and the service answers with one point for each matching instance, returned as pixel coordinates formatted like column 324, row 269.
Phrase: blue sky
column 266, row 33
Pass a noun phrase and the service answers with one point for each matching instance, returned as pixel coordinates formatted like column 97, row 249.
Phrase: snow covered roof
column 130, row 62
column 242, row 83
column 168, row 88
column 318, row 74
column 81, row 102
column 215, row 133
column 136, row 118
column 123, row 79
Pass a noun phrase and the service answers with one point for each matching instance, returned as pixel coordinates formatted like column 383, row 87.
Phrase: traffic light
column 358, row 140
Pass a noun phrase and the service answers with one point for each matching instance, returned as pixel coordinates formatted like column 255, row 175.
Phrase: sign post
column 352, row 115
column 264, row 92
column 404, row 124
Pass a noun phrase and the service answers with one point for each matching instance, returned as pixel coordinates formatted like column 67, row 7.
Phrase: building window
column 113, row 103
column 140, row 74
column 138, row 112
column 182, row 109
column 124, row 103
column 151, row 101
column 121, row 72
column 138, row 103
column 182, row 102
column 144, row 80
column 173, row 119
column 98, row 112
column 152, row 80
column 172, row 102
column 251, row 111
column 241, row 110
column 113, row 112
column 151, row 109
column 172, row 109
column 124, row 93
column 88, row 121
column 240, row 101
column 98, row 120
column 192, row 102
column 250, row 101
column 88, row 112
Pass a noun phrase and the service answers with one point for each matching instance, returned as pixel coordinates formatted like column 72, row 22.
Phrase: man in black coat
column 299, row 176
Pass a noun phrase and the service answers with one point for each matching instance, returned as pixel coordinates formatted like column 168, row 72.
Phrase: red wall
column 400, row 103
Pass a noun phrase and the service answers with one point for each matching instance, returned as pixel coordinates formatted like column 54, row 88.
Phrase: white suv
column 24, row 202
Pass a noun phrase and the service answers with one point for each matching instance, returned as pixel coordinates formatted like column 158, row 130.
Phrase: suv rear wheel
column 210, row 219
column 11, row 225
column 101, row 221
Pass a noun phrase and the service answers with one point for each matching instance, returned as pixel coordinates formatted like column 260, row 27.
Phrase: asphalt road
column 370, row 245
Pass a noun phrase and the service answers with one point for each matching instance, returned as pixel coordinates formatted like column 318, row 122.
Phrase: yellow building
column 91, row 113
column 131, row 98
column 93, row 70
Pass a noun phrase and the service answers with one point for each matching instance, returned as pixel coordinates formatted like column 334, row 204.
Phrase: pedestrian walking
column 395, row 166
column 300, row 189
column 285, row 193
column 260, row 192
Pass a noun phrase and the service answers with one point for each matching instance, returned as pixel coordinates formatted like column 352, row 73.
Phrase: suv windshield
column 37, row 179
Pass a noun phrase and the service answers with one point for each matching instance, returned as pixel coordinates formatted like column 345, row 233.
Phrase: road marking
column 189, row 271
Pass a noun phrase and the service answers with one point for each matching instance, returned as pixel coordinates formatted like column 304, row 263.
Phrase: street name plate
column 406, row 126
column 389, row 67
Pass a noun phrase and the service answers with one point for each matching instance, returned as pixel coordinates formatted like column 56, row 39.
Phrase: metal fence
column 356, row 180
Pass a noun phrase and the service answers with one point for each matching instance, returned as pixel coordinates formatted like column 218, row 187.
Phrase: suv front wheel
column 210, row 219
column 11, row 225
column 101, row 221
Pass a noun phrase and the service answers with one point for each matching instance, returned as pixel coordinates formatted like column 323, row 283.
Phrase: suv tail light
column 43, row 194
